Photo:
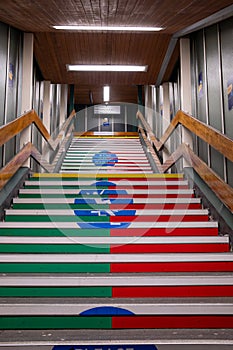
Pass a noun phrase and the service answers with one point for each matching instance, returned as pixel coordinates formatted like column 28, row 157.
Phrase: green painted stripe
column 57, row 195
column 53, row 322
column 59, row 206
column 54, row 268
column 62, row 177
column 50, row 292
column 54, row 232
column 54, row 248
column 55, row 218
column 64, row 186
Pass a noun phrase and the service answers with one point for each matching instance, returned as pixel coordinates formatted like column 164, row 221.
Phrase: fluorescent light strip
column 106, row 93
column 105, row 68
column 109, row 28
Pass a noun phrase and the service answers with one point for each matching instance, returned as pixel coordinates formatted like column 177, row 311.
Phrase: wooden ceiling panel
column 99, row 48
column 54, row 49
column 37, row 16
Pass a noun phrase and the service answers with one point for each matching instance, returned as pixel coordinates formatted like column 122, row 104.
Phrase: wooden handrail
column 13, row 128
column 153, row 153
column 29, row 150
column 223, row 191
column 220, row 142
column 212, row 136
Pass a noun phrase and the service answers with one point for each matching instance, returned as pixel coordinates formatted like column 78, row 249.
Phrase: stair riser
column 120, row 219
column 120, row 322
column 135, row 232
column 119, row 292
column 116, row 267
column 135, row 206
column 116, row 197
column 114, row 249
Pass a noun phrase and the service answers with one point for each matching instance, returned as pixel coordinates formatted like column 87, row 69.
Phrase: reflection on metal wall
column 212, row 72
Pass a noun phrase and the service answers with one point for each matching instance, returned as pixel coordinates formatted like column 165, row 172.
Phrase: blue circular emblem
column 87, row 197
column 105, row 158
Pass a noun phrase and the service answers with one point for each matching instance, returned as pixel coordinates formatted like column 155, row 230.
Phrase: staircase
column 107, row 244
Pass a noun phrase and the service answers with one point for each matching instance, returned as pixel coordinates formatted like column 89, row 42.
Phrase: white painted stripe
column 116, row 258
column 130, row 182
column 115, row 240
column 191, row 308
column 116, row 280
column 89, row 156
column 129, row 191
column 122, row 153
column 89, row 160
column 157, row 224
column 145, row 201
column 117, row 167
column 102, row 171
column 70, row 212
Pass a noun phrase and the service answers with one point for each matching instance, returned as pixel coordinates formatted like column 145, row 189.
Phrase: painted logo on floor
column 102, row 195
column 105, row 158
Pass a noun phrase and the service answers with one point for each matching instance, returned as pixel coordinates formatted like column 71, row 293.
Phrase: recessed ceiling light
column 109, row 28
column 105, row 68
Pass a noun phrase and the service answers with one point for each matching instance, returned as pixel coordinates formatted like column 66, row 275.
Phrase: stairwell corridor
column 107, row 244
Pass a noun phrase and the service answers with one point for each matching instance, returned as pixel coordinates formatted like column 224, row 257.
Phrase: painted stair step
column 113, row 191
column 116, row 322
column 117, row 286
column 114, row 240
column 103, row 198
column 116, row 263
column 118, row 258
column 134, row 225
column 109, row 148
column 113, row 177
column 14, row 230
column 111, row 315
column 137, row 206
column 89, row 160
column 117, row 280
column 105, row 219
column 114, row 212
column 106, row 215
column 113, row 244
column 102, row 186
column 107, row 171
column 137, row 201
column 116, row 309
column 117, row 183
column 107, row 184
column 117, row 167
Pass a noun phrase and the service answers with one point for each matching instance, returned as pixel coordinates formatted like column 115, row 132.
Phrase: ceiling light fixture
column 105, row 68
column 106, row 93
column 109, row 28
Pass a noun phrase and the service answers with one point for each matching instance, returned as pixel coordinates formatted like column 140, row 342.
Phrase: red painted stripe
column 169, row 248
column 172, row 291
column 159, row 218
column 145, row 178
column 157, row 206
column 150, row 187
column 203, row 322
column 173, row 267
column 206, row 231
column 152, row 195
